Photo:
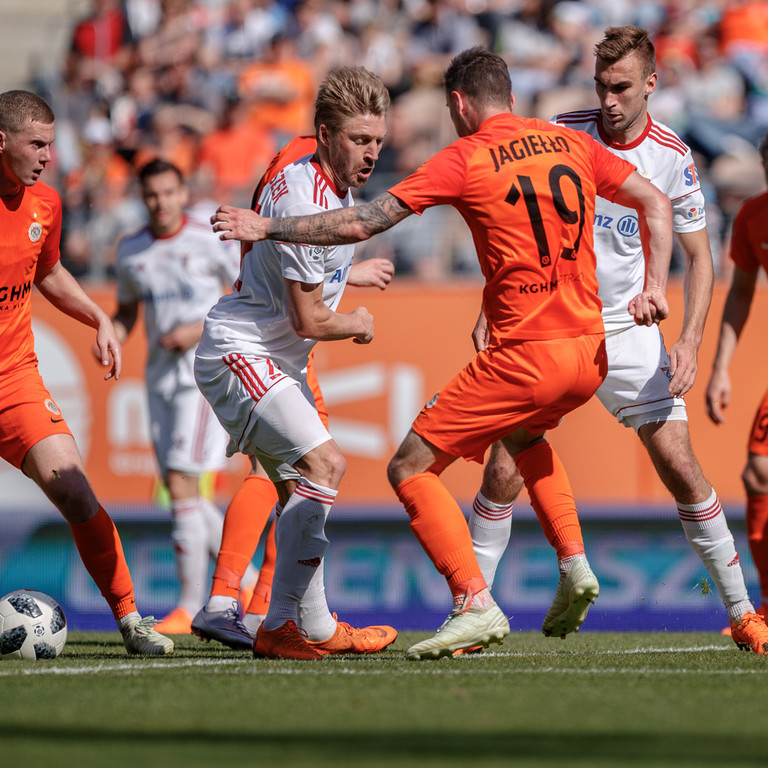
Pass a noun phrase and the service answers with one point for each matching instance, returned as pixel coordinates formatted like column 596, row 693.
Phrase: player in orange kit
column 749, row 253
column 33, row 433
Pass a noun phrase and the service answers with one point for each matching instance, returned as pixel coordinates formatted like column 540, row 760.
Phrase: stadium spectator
column 34, row 436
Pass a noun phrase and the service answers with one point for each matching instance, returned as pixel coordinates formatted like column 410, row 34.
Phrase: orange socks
column 757, row 534
column 551, row 497
column 244, row 521
column 439, row 525
column 101, row 551
column 263, row 591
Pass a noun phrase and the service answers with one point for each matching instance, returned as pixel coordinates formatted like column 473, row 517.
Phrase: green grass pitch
column 596, row 700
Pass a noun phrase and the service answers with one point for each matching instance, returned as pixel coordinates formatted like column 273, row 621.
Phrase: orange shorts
column 530, row 384
column 28, row 414
column 758, row 438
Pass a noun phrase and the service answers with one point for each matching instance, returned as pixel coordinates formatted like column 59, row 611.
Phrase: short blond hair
column 346, row 93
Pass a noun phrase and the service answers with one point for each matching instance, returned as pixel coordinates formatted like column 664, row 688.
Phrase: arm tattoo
column 347, row 225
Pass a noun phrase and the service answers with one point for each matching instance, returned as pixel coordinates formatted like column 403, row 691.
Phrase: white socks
column 301, row 545
column 707, row 532
column 190, row 544
column 490, row 525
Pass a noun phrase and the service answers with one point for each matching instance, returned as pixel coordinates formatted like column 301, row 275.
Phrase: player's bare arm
column 735, row 313
column 124, row 319
column 371, row 273
column 697, row 294
column 63, row 291
column 182, row 337
column 346, row 225
column 481, row 332
column 311, row 318
column 655, row 219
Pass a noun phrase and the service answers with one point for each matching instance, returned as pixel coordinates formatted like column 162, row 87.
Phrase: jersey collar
column 331, row 184
column 632, row 144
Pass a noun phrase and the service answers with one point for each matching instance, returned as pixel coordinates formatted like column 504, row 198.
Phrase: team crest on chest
column 35, row 231
column 52, row 407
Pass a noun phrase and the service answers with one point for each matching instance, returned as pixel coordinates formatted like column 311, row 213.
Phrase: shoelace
column 145, row 626
column 298, row 640
column 232, row 614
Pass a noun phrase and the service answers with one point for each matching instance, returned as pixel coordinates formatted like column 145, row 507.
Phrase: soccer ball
column 32, row 626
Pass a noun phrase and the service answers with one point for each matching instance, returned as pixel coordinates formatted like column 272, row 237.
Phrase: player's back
column 528, row 198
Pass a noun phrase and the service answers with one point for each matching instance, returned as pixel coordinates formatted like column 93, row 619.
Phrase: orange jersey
column 30, row 231
column 526, row 189
column 749, row 242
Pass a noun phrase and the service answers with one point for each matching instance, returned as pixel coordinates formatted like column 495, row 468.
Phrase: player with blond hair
column 252, row 359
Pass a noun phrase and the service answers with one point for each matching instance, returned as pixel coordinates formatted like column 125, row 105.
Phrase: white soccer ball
column 32, row 626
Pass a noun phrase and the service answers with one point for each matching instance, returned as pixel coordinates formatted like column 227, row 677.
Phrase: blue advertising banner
column 376, row 572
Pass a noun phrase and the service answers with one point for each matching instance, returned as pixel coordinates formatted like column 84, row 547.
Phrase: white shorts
column 185, row 433
column 635, row 389
column 267, row 413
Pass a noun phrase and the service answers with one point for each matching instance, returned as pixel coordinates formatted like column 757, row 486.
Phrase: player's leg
column 552, row 500
column 190, row 548
column 54, row 463
column 439, row 526
column 490, row 519
column 300, row 533
column 702, row 518
column 244, row 522
column 755, row 479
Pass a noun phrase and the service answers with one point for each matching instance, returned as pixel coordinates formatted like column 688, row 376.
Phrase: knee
column 502, row 481
column 396, row 472
column 73, row 497
column 325, row 465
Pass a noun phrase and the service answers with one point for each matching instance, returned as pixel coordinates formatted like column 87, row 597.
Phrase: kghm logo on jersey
column 35, row 231
column 52, row 407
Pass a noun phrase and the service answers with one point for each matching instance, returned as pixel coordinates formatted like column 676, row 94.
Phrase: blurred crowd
column 217, row 86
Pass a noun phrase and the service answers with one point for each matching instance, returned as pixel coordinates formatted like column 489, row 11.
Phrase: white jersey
column 254, row 319
column 660, row 156
column 177, row 278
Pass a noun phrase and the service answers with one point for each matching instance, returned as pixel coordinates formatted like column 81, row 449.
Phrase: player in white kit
column 252, row 359
column 177, row 269
column 644, row 387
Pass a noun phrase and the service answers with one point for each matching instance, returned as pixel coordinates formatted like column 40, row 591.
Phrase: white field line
column 251, row 667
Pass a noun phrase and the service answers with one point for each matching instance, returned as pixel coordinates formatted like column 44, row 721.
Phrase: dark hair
column 347, row 92
column 17, row 108
column 482, row 76
column 156, row 167
column 620, row 42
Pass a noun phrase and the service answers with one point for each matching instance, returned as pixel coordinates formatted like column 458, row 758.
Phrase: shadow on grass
column 397, row 746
